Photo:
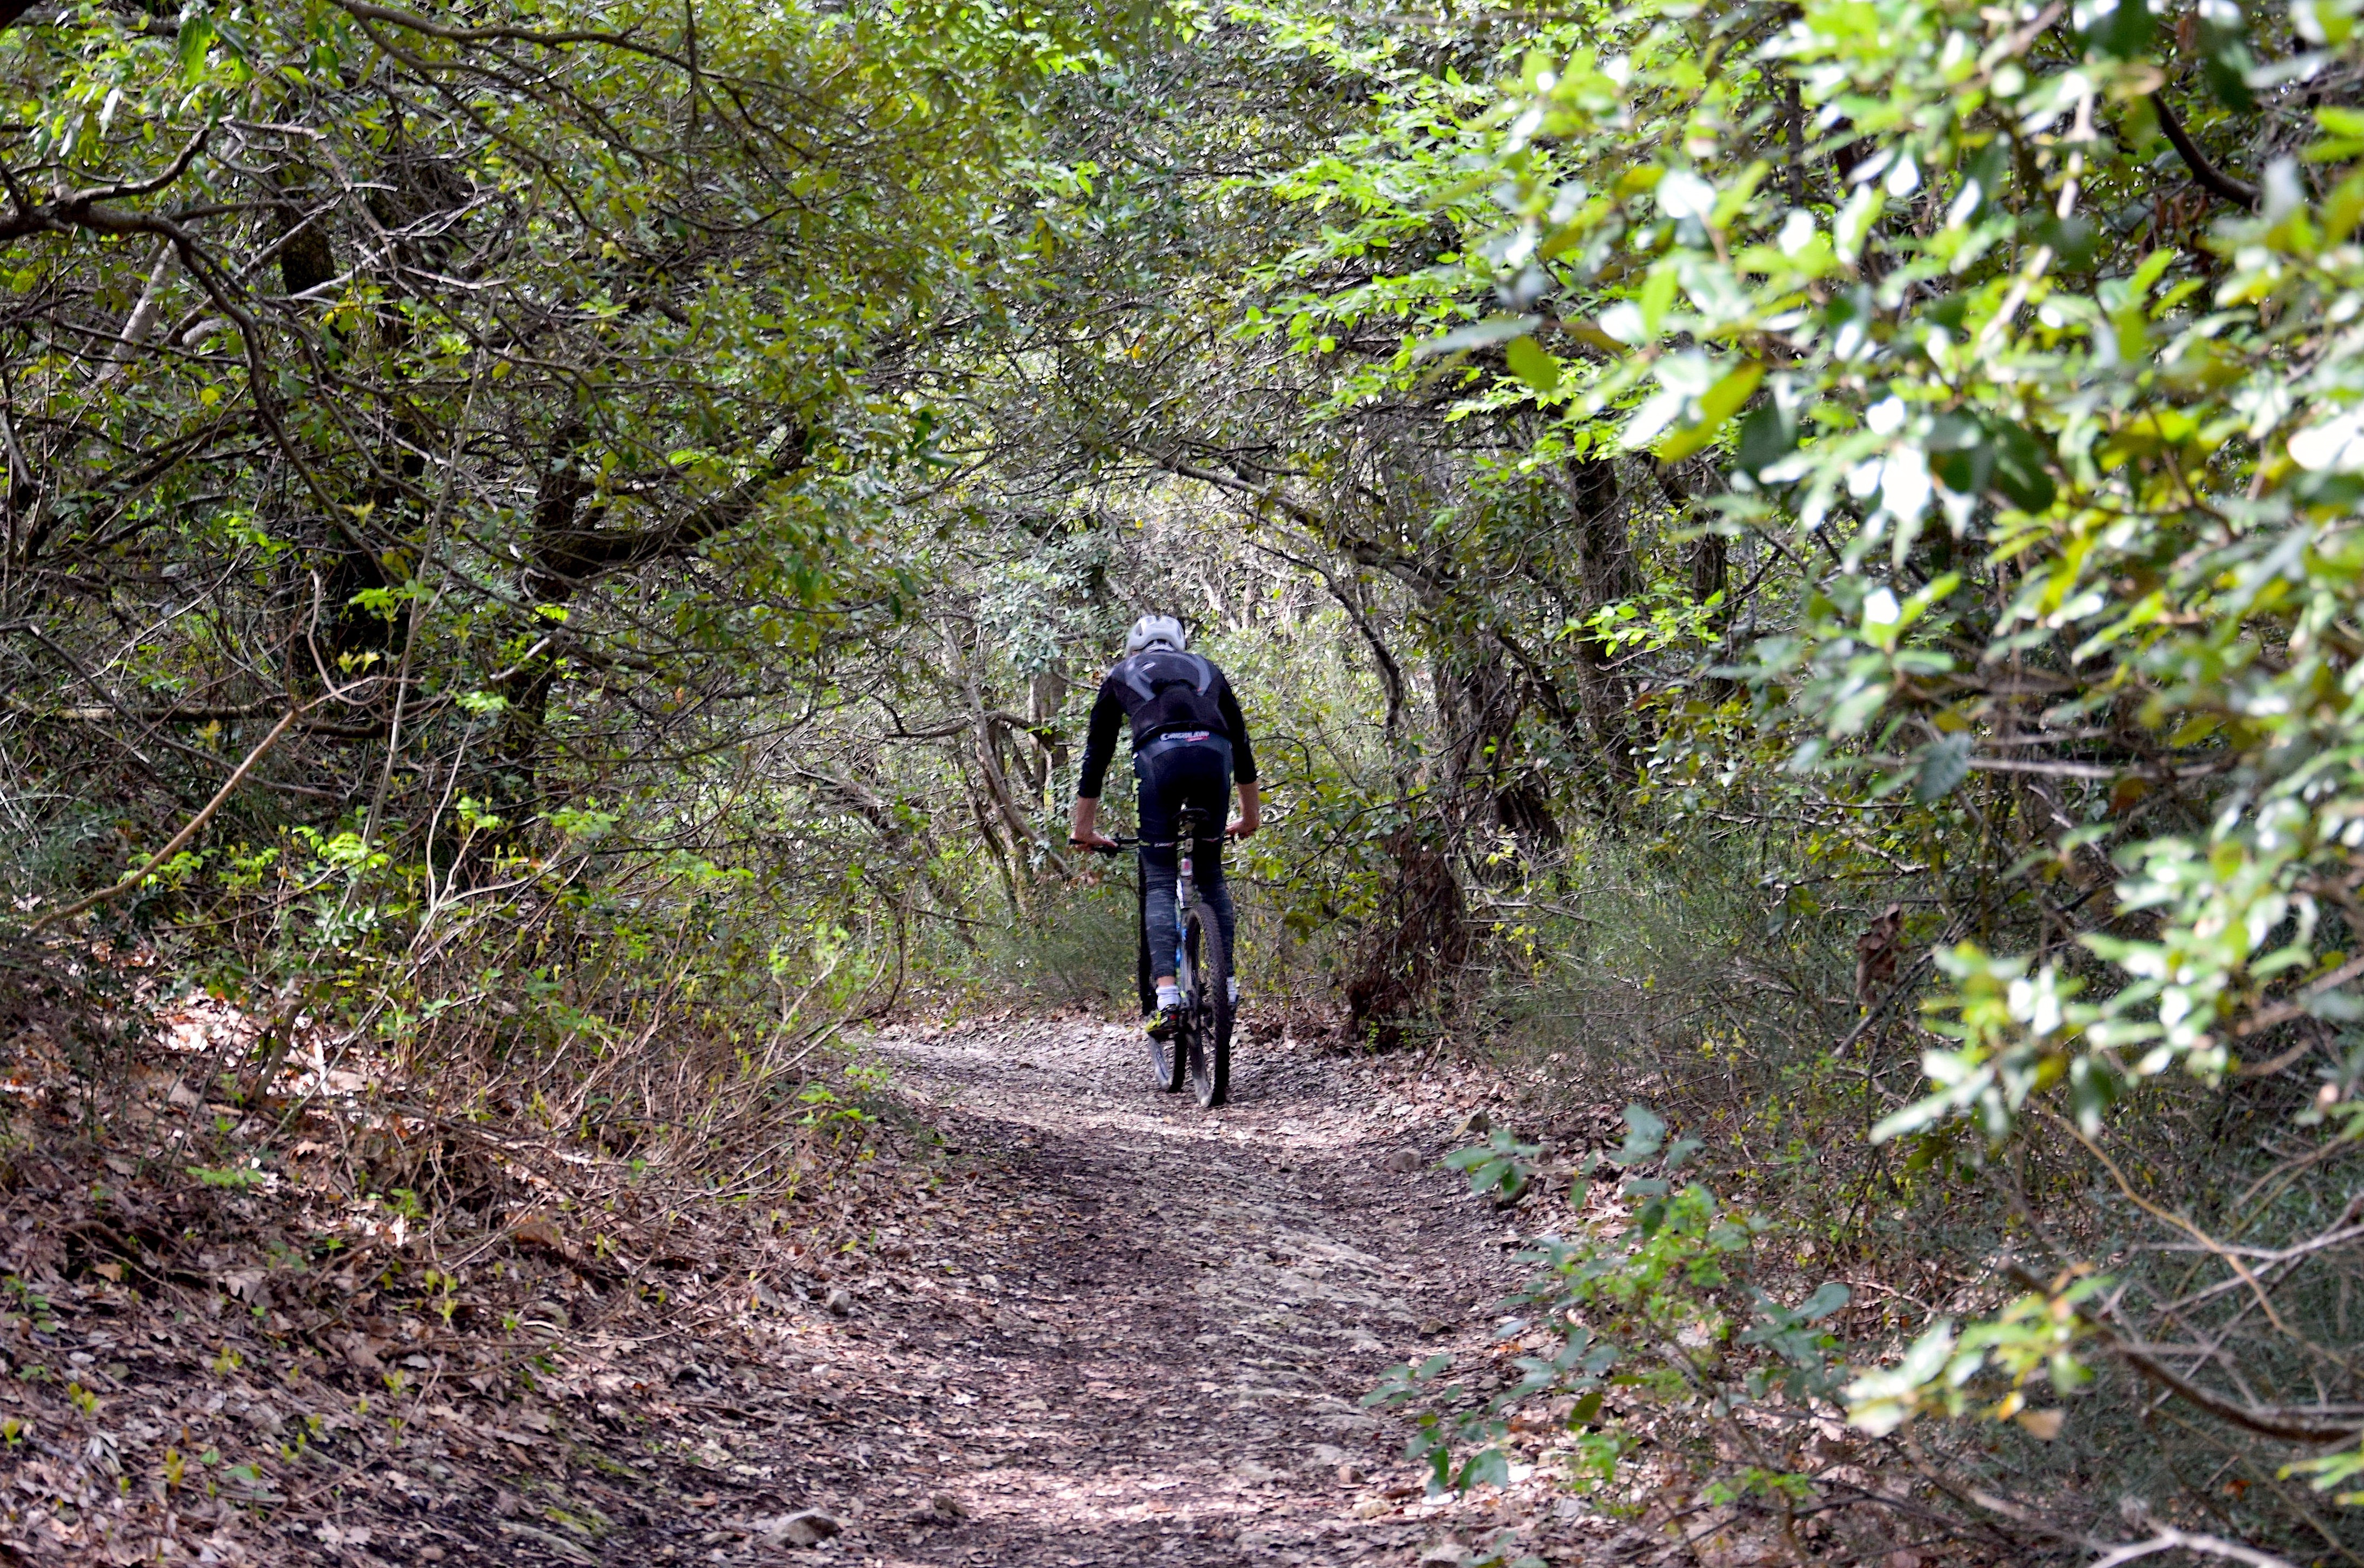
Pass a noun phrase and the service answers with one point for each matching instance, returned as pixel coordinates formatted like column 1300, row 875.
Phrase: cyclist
column 1189, row 744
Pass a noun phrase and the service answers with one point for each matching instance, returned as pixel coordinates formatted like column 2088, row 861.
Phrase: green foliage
column 1649, row 1307
column 1498, row 1166
column 1670, row 481
column 2039, row 1331
column 1079, row 947
column 2045, row 495
column 2158, row 500
column 2329, row 1470
column 229, row 1175
column 32, row 1309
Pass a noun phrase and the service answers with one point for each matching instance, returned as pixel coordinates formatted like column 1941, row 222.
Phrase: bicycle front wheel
column 1206, row 1034
column 1168, row 1060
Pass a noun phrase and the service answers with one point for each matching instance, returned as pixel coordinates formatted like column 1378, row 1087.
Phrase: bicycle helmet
column 1153, row 631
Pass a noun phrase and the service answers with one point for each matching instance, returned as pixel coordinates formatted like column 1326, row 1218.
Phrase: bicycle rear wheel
column 1206, row 1032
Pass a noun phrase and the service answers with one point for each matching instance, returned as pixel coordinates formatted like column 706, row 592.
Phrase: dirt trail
column 1103, row 1327
column 1147, row 1340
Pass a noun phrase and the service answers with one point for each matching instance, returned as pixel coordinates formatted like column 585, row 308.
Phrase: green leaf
column 1645, row 1132
column 1486, row 1467
column 1530, row 364
column 1982, row 180
column 2226, row 62
column 2019, row 470
column 1766, row 436
column 196, row 38
column 2074, row 240
column 2328, row 1471
column 2123, row 29
column 1943, row 766
column 227, row 1175
column 1948, row 311
column 1478, row 335
column 1657, row 296
column 2093, row 1087
column 1971, row 455
column 1717, row 403
column 1961, row 454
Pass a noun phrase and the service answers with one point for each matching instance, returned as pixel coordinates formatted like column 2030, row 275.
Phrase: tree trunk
column 1046, row 693
column 1478, row 704
column 1605, row 575
column 1412, row 948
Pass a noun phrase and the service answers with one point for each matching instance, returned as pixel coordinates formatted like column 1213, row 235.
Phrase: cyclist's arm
column 1244, row 768
column 1099, row 747
column 1235, row 724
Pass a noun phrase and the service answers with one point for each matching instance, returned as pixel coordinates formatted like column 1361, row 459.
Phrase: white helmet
column 1153, row 631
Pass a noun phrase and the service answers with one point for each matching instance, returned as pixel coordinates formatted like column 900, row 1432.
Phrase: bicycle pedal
column 1164, row 1025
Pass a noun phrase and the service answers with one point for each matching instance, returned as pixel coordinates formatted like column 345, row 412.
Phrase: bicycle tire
column 1168, row 1063
column 1207, row 1007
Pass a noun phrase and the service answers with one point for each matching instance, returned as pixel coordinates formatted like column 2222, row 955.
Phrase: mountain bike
column 1201, row 1050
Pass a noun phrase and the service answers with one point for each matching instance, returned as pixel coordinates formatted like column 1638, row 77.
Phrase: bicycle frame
column 1186, row 834
column 1202, row 1037
column 1184, row 888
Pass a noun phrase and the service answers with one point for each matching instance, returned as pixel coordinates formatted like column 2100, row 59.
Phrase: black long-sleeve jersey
column 1163, row 692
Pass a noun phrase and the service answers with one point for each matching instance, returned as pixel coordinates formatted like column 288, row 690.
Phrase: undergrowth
column 247, row 1254
column 1752, row 1322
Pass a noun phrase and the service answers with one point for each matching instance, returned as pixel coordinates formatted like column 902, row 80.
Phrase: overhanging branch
column 566, row 557
column 2203, row 173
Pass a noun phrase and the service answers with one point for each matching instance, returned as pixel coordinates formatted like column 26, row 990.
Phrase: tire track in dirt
column 1186, row 1310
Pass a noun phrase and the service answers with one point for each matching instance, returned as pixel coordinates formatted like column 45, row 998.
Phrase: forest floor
column 1071, row 1321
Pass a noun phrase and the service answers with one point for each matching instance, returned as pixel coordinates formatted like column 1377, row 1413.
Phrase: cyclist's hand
column 1096, row 839
column 1245, row 826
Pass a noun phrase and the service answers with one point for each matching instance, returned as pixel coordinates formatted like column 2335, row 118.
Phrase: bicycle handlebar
column 1121, row 841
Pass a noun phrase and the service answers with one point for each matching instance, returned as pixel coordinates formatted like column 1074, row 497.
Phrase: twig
column 183, row 836
column 1903, row 984
column 2170, row 1540
column 2291, row 1425
column 2283, row 1012
column 2265, row 1302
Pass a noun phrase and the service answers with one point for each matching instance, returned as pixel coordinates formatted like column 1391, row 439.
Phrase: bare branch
column 2203, row 173
column 2184, row 1541
column 172, row 846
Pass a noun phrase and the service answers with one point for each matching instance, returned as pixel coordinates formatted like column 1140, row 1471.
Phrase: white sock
column 1235, row 983
column 1169, row 996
